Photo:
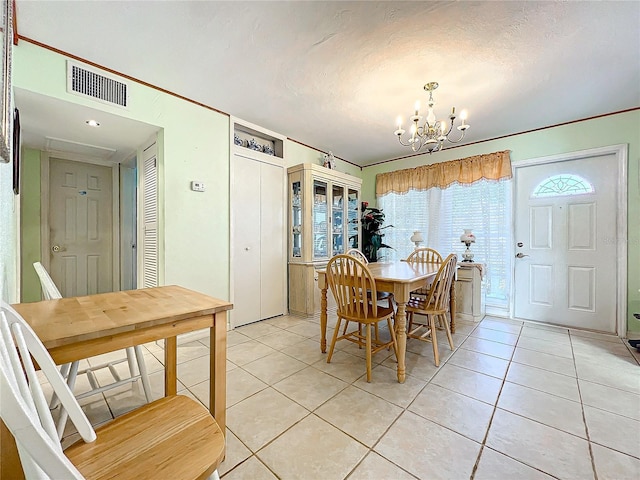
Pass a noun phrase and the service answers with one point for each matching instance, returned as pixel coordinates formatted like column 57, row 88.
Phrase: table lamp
column 467, row 238
column 417, row 238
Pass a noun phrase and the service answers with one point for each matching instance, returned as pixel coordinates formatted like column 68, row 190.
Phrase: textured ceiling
column 335, row 75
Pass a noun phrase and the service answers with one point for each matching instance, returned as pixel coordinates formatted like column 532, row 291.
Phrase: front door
column 565, row 234
column 81, row 227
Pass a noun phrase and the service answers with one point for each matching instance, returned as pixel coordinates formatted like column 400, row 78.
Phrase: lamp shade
column 467, row 236
column 417, row 237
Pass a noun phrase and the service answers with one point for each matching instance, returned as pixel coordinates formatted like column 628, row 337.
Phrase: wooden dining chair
column 353, row 285
column 174, row 437
column 361, row 256
column 424, row 255
column 70, row 371
column 380, row 296
column 434, row 306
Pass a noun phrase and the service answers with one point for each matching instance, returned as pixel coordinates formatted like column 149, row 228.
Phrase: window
column 563, row 184
column 442, row 216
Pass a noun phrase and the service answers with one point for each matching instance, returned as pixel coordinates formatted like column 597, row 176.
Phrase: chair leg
column 434, row 340
column 131, row 360
column 393, row 338
column 368, row 327
column 64, row 371
column 447, row 330
column 142, row 368
column 334, row 339
column 71, row 382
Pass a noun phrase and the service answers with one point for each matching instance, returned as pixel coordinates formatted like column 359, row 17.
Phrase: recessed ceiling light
column 92, row 123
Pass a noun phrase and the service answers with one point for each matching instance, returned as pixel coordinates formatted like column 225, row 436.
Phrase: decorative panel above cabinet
column 324, row 220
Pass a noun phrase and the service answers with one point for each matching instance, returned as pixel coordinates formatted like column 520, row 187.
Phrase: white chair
column 174, row 437
column 70, row 370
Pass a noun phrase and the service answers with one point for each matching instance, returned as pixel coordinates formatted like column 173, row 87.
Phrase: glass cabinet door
column 337, row 217
column 296, row 220
column 320, row 219
column 353, row 215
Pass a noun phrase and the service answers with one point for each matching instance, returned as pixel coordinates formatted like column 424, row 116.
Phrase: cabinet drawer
column 465, row 274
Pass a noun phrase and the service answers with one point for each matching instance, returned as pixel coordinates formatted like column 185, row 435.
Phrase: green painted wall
column 30, row 225
column 623, row 128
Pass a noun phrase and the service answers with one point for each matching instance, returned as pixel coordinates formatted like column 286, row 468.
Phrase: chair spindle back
column 350, row 281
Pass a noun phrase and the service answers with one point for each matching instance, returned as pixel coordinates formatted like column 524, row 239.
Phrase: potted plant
column 372, row 220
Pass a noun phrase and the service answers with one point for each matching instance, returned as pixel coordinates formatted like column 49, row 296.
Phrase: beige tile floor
column 513, row 401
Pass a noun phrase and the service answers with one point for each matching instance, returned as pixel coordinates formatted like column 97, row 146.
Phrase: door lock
column 521, row 255
column 55, row 248
column 520, row 244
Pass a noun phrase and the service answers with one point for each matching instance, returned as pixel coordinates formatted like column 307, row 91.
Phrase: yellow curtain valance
column 490, row 166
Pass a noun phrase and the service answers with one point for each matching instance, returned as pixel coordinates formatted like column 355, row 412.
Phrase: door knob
column 247, row 248
column 55, row 248
column 521, row 255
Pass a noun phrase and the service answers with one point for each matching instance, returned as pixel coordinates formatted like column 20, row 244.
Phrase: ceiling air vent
column 89, row 82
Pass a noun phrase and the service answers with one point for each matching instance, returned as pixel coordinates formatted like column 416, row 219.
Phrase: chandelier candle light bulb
column 463, row 117
column 432, row 133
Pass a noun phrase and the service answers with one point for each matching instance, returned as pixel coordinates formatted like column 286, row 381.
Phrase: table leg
column 218, row 370
column 452, row 306
column 401, row 334
column 323, row 320
column 170, row 366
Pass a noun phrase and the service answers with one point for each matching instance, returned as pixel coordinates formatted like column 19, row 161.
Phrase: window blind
column 443, row 214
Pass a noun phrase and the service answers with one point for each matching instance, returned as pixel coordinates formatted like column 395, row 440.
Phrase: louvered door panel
column 150, row 222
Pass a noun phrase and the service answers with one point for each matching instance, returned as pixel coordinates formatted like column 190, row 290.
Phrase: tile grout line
column 495, row 407
column 584, row 417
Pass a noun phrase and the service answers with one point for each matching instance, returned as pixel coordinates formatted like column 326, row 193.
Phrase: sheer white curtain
column 443, row 214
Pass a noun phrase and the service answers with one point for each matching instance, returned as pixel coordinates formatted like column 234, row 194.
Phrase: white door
column 258, row 240
column 565, row 234
column 81, row 227
column 245, row 203
column 128, row 227
column 272, row 260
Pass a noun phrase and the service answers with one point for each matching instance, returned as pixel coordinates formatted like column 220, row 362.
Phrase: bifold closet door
column 258, row 236
column 272, row 261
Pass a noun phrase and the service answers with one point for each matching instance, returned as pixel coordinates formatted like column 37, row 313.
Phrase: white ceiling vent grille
column 88, row 82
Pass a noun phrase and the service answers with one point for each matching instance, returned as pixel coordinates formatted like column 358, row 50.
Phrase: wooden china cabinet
column 324, row 220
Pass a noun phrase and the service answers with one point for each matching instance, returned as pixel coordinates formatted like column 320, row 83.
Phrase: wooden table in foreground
column 400, row 278
column 80, row 327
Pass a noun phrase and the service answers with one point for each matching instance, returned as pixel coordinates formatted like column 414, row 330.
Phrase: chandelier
column 432, row 133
